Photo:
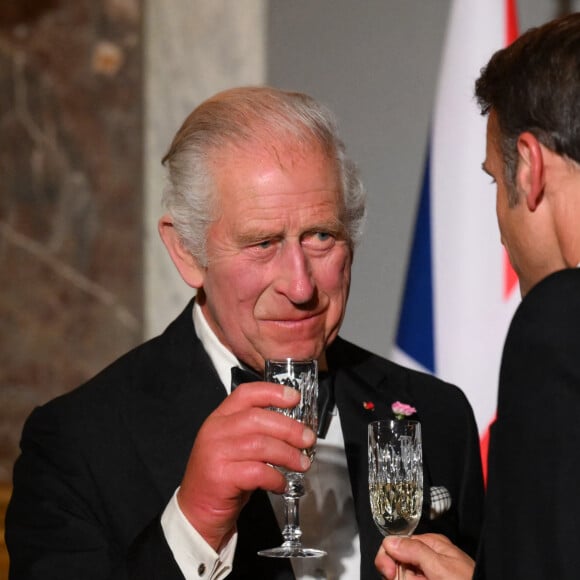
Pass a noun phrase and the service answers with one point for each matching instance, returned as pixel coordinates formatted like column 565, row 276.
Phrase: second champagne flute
column 396, row 477
column 302, row 376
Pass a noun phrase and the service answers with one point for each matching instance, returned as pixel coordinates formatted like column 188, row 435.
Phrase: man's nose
column 295, row 279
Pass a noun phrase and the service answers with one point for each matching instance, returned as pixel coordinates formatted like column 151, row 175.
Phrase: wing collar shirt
column 327, row 512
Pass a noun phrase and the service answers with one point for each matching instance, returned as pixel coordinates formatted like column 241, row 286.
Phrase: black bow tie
column 325, row 394
column 240, row 376
column 325, row 402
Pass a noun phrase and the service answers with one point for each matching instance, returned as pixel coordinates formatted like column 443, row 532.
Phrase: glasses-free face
column 278, row 272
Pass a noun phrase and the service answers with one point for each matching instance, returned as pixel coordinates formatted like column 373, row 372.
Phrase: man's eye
column 319, row 240
column 264, row 244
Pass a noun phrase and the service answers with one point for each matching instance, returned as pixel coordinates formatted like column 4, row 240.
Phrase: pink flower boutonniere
column 402, row 410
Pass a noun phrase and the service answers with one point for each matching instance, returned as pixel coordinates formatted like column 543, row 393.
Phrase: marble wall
column 71, row 199
column 91, row 93
column 87, row 109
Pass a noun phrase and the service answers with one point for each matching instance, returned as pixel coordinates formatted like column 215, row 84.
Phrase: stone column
column 193, row 49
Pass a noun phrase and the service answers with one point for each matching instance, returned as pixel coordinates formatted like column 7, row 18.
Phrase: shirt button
column 201, row 569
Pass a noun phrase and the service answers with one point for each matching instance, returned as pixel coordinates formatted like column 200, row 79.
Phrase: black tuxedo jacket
column 532, row 518
column 99, row 464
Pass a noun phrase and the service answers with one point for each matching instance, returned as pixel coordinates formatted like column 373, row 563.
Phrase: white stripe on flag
column 470, row 314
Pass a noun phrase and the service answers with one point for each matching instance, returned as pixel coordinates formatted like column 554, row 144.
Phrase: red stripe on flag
column 484, row 448
column 511, row 20
column 510, row 280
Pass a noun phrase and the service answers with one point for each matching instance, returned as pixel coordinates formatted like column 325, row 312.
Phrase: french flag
column 460, row 291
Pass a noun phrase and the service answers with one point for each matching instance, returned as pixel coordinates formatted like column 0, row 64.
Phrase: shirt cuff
column 196, row 559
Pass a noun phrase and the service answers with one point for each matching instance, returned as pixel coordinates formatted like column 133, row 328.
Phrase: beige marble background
column 70, row 198
column 91, row 93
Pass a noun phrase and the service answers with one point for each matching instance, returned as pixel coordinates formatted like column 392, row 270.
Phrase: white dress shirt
column 326, row 511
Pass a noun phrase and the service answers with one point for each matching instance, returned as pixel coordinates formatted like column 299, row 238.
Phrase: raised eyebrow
column 256, row 236
column 335, row 226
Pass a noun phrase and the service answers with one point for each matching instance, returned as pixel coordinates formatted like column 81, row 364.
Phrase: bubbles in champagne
column 396, row 507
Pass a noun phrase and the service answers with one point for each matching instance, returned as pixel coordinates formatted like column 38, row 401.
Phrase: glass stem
column 400, row 572
column 294, row 491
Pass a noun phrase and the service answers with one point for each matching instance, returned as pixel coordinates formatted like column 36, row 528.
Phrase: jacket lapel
column 173, row 390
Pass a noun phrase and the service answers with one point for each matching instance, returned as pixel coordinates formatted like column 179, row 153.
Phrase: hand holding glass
column 302, row 376
column 395, row 477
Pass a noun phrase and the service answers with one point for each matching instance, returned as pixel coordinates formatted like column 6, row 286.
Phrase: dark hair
column 534, row 85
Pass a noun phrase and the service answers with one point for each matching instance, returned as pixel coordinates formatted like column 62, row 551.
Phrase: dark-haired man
column 531, row 94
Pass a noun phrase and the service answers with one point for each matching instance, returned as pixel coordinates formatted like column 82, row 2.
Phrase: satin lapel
column 171, row 393
column 363, row 394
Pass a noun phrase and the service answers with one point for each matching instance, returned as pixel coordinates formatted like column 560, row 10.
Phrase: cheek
column 501, row 213
column 232, row 294
column 337, row 290
column 498, row 206
column 233, row 286
column 334, row 277
column 239, row 281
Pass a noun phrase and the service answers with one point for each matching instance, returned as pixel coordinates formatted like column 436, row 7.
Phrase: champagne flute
column 395, row 477
column 302, row 376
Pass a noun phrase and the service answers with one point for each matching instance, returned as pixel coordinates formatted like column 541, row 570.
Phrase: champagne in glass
column 302, row 376
column 395, row 477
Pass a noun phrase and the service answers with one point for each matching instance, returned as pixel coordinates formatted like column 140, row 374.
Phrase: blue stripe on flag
column 415, row 331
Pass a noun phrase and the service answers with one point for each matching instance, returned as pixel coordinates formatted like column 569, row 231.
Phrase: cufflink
column 440, row 501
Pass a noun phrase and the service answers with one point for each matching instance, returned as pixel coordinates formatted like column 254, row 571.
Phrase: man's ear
column 530, row 171
column 189, row 268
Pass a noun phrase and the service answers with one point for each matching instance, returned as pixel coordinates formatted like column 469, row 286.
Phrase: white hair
column 246, row 115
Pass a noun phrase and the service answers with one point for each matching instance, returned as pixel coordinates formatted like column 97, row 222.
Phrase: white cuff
column 195, row 557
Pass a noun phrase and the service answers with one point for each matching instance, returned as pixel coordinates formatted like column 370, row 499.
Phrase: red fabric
column 512, row 27
column 484, row 449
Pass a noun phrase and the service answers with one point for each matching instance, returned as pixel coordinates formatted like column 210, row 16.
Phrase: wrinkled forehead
column 265, row 137
column 256, row 175
column 287, row 151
